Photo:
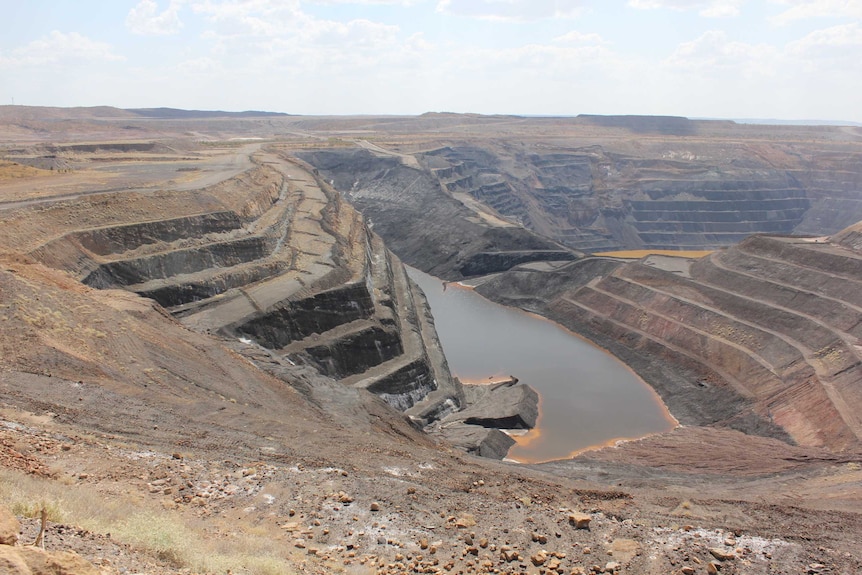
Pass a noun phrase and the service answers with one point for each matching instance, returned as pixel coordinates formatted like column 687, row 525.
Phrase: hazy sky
column 789, row 59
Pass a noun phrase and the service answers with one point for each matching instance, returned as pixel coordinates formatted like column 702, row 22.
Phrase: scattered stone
column 612, row 567
column 580, row 520
column 375, row 506
column 721, row 554
column 508, row 554
column 539, row 558
column 537, row 538
column 687, row 570
column 712, row 568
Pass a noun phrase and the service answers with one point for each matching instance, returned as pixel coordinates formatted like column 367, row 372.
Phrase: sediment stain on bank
column 588, row 397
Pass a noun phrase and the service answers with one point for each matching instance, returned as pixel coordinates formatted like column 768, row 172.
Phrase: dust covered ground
column 157, row 450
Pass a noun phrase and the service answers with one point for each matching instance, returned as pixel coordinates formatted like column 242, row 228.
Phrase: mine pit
column 588, row 398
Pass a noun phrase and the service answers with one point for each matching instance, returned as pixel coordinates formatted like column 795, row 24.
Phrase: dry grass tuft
column 12, row 171
column 166, row 535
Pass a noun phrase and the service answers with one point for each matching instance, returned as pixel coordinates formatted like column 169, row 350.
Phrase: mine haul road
column 213, row 171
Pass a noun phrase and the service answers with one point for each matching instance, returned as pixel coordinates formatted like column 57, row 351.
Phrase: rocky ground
column 136, row 508
column 155, row 449
column 414, row 509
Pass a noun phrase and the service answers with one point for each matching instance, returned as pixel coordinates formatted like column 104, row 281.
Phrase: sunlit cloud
column 59, row 48
column 808, row 9
column 146, row 20
column 706, row 8
column 511, row 10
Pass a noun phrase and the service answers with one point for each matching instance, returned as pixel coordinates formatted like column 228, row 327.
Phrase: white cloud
column 366, row 2
column 511, row 10
column 58, row 48
column 706, row 8
column 543, row 64
column 146, row 20
column 806, row 9
column 833, row 50
column 269, row 36
column 202, row 65
column 575, row 37
column 714, row 53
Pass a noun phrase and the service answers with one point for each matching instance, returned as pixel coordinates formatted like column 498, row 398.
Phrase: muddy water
column 588, row 397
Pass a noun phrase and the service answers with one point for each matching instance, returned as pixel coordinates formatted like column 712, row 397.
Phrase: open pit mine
column 213, row 360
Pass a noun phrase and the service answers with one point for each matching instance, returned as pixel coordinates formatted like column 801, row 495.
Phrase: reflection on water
column 588, row 397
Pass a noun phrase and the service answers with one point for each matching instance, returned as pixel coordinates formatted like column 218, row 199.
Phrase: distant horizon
column 755, row 121
column 784, row 59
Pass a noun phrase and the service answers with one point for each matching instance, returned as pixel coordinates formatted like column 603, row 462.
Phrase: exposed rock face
column 421, row 219
column 594, row 198
column 505, row 405
column 623, row 182
column 275, row 259
column 760, row 337
column 290, row 267
column 479, row 440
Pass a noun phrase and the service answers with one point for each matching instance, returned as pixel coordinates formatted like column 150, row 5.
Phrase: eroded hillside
column 763, row 336
column 276, row 263
column 190, row 331
column 596, row 184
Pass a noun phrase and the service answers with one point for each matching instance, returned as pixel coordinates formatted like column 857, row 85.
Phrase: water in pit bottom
column 588, row 397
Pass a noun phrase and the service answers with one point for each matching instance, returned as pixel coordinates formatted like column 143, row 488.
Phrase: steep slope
column 158, row 449
column 422, row 220
column 762, row 336
column 673, row 194
column 162, row 449
column 275, row 262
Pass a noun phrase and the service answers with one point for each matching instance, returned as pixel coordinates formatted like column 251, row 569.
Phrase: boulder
column 580, row 520
column 35, row 561
column 478, row 440
column 11, row 563
column 9, row 527
column 56, row 563
column 507, row 405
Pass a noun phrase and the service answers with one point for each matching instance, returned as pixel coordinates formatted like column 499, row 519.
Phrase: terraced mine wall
column 295, row 320
column 422, row 222
column 596, row 198
column 762, row 337
column 281, row 264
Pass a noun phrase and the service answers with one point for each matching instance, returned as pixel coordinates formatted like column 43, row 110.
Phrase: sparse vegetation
column 166, row 535
column 13, row 170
